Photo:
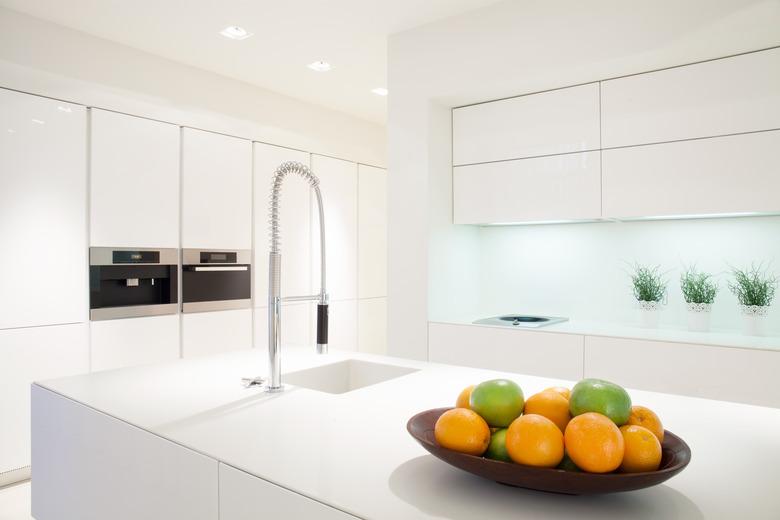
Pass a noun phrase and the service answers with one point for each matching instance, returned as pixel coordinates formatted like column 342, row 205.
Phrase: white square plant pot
column 754, row 319
column 699, row 317
column 649, row 314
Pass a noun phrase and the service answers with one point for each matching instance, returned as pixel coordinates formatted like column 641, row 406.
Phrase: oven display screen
column 208, row 257
column 135, row 257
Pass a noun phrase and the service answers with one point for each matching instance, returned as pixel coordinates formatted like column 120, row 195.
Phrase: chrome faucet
column 275, row 299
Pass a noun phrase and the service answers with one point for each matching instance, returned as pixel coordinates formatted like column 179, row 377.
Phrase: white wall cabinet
column 732, row 174
column 134, row 341
column 559, row 121
column 339, row 187
column 134, row 179
column 726, row 96
column 216, row 191
column 297, row 328
column 207, row 333
column 43, row 211
column 27, row 355
column 372, row 325
column 525, row 352
column 372, row 232
column 559, row 187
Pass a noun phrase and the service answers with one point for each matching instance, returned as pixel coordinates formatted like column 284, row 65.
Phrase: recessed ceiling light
column 320, row 66
column 234, row 32
column 379, row 91
column 67, row 110
column 38, row 121
column 11, row 131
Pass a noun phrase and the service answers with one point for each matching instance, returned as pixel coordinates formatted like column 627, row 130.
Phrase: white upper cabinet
column 560, row 187
column 338, row 183
column 294, row 219
column 553, row 122
column 372, row 232
column 134, row 179
column 43, row 205
column 721, row 175
column 216, row 190
column 726, row 96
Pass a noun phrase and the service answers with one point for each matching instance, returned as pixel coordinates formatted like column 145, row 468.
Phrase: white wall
column 51, row 60
column 507, row 49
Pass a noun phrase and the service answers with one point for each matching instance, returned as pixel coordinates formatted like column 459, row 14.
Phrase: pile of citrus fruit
column 593, row 427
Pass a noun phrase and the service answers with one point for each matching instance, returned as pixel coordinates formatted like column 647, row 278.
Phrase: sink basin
column 345, row 376
column 521, row 321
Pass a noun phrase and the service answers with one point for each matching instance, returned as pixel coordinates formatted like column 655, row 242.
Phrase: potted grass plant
column 699, row 291
column 649, row 291
column 755, row 290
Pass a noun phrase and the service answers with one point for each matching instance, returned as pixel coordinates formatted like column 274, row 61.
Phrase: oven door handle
column 200, row 268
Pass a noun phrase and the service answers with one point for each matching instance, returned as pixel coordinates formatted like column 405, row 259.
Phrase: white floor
column 15, row 502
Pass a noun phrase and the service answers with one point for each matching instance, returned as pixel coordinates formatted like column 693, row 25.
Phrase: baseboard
column 14, row 476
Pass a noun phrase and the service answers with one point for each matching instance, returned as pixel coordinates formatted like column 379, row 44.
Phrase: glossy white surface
column 43, row 211
column 725, row 96
column 363, row 461
column 134, row 341
column 372, row 325
column 521, row 351
column 372, row 232
column 216, row 191
column 134, row 181
column 558, row 121
column 28, row 355
column 206, row 333
column 295, row 223
column 15, row 502
column 339, row 187
column 560, row 187
column 721, row 175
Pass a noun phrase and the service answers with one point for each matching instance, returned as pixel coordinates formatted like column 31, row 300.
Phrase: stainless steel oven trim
column 104, row 255
column 132, row 311
column 192, row 256
column 219, row 305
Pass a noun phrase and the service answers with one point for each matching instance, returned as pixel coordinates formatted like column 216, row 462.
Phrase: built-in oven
column 130, row 282
column 216, row 279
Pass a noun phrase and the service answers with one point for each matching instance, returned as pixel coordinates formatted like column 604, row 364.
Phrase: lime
column 596, row 395
column 497, row 447
column 498, row 401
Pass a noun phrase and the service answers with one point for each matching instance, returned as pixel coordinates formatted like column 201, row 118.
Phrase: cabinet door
column 727, row 96
column 372, row 232
column 338, row 183
column 27, row 355
column 558, row 121
column 560, row 187
column 721, row 175
column 216, row 191
column 134, row 341
column 297, row 325
column 525, row 352
column 206, row 333
column 343, row 325
column 294, row 219
column 134, row 180
column 372, row 326
column 245, row 497
column 43, row 207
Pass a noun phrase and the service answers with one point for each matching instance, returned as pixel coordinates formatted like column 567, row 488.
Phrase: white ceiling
column 288, row 35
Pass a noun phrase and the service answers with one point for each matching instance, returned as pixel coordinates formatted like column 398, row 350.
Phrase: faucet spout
column 275, row 299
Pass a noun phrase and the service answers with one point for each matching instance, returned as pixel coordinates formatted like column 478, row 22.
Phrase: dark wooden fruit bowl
column 676, row 455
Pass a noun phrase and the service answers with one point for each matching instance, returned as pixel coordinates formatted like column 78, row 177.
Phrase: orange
column 461, row 429
column 463, row 397
column 645, row 417
column 643, row 451
column 534, row 440
column 594, row 443
column 565, row 392
column 549, row 404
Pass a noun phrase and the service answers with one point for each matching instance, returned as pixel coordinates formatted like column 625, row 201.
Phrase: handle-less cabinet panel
column 216, row 191
column 338, row 183
column 27, row 355
column 206, row 333
column 722, row 175
column 294, row 216
column 134, row 341
column 554, row 122
column 726, row 96
column 43, row 206
column 134, row 180
column 372, row 232
column 372, row 326
column 561, row 187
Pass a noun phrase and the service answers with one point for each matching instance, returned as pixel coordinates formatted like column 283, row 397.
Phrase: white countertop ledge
column 352, row 451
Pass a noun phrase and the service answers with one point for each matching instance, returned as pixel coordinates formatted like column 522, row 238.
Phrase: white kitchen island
column 185, row 440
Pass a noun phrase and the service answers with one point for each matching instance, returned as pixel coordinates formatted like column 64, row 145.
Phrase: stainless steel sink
column 521, row 321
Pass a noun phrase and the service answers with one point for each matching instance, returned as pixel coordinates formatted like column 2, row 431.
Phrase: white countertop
column 617, row 330
column 352, row 450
